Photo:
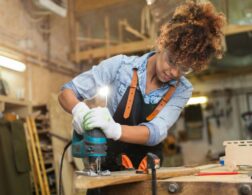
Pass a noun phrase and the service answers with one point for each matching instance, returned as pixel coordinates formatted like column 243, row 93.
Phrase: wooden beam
column 107, row 35
column 235, row 29
column 95, row 40
column 83, row 6
column 137, row 46
column 71, row 26
column 131, row 30
column 123, row 48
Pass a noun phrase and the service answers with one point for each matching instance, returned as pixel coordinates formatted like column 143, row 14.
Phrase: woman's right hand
column 78, row 112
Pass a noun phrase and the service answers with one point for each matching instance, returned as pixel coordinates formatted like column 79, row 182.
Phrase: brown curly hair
column 193, row 35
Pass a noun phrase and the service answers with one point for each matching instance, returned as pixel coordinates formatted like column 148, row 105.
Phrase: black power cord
column 61, row 166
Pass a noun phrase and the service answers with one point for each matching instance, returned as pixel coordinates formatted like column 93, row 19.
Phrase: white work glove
column 101, row 118
column 78, row 112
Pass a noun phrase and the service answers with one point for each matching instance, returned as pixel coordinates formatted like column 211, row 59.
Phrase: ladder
column 36, row 159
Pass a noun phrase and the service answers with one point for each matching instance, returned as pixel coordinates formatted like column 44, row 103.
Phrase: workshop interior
column 45, row 44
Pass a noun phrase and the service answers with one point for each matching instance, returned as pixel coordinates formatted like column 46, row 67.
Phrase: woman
column 147, row 92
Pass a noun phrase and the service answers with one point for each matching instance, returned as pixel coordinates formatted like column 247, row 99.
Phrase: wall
column 35, row 84
column 19, row 31
column 43, row 83
column 17, row 27
column 231, row 127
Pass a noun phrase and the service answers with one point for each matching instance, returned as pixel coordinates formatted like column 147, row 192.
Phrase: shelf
column 10, row 104
column 49, row 170
column 48, row 161
column 43, row 131
column 16, row 102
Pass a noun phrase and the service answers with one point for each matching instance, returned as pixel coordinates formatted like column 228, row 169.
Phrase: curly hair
column 193, row 36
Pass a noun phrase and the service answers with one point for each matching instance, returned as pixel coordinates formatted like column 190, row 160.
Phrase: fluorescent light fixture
column 150, row 2
column 197, row 100
column 54, row 7
column 12, row 64
column 104, row 91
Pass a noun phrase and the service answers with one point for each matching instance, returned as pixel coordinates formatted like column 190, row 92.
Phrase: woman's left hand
column 101, row 118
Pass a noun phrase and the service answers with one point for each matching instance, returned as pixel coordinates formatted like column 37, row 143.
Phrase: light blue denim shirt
column 116, row 72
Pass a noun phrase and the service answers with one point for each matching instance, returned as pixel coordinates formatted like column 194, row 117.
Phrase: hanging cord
column 61, row 166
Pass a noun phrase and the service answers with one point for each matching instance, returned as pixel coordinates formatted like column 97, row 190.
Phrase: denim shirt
column 116, row 73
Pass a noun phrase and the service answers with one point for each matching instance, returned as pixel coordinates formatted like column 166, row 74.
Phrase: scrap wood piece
column 122, row 177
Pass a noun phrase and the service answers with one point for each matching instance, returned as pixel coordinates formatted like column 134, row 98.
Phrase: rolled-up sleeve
column 159, row 126
column 85, row 85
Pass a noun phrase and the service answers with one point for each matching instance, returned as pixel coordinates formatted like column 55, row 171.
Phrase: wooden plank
column 123, row 48
column 235, row 29
column 188, row 188
column 107, row 35
column 192, row 188
column 95, row 40
column 83, row 6
column 61, row 125
column 136, row 46
column 189, row 185
column 122, row 177
column 240, row 178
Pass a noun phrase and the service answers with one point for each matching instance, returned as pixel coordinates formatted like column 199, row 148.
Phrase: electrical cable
column 61, row 166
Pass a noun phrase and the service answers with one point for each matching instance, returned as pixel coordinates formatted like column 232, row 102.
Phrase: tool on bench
column 150, row 161
column 217, row 173
column 91, row 147
column 224, row 173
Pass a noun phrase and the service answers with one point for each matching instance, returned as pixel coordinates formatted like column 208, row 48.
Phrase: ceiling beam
column 144, row 45
column 123, row 48
column 82, row 6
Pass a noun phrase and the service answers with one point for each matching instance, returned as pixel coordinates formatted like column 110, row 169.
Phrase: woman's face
column 165, row 71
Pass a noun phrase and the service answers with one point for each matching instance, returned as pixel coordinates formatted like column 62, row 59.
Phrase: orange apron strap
column 162, row 103
column 126, row 162
column 143, row 166
column 131, row 96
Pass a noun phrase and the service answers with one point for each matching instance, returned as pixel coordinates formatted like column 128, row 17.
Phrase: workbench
column 173, row 180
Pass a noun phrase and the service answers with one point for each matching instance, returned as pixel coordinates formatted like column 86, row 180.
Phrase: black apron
column 136, row 152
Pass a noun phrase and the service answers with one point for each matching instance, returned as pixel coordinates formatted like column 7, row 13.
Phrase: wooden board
column 189, row 185
column 61, row 125
column 240, row 178
column 123, row 177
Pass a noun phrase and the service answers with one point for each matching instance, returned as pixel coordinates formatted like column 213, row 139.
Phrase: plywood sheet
column 61, row 125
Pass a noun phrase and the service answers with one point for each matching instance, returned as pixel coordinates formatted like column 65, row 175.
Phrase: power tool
column 91, row 147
